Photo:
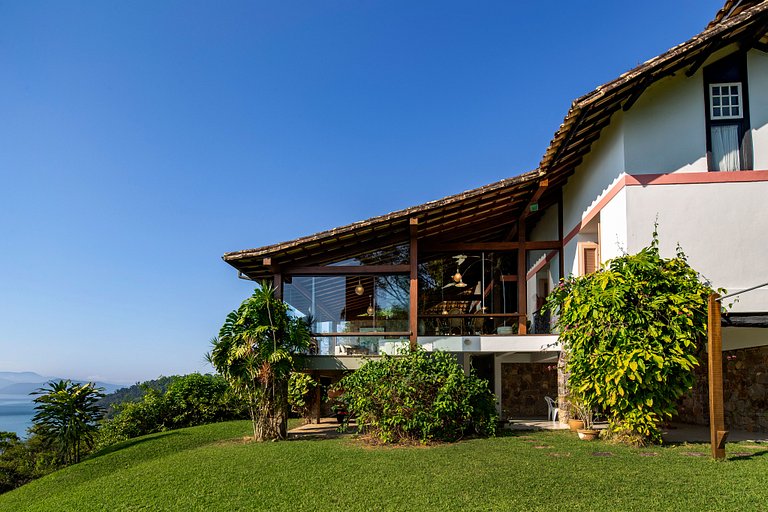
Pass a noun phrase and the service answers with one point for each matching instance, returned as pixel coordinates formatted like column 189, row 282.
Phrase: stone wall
column 745, row 382
column 524, row 386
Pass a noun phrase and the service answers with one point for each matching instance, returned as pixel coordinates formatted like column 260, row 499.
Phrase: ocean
column 16, row 414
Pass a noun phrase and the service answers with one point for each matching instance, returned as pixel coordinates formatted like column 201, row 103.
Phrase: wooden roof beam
column 345, row 270
column 543, row 184
column 570, row 134
column 636, row 92
column 491, row 246
column 753, row 38
column 448, row 236
column 464, row 221
column 702, row 57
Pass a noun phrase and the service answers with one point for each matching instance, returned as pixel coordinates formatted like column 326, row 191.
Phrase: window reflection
column 351, row 304
column 468, row 293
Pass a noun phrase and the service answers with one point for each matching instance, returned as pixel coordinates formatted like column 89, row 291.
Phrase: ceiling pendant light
column 457, row 276
column 359, row 288
column 370, row 308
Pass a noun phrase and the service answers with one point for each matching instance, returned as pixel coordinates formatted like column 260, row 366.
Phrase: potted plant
column 574, row 420
column 585, row 413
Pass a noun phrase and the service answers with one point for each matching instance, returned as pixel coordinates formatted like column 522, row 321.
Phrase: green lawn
column 211, row 468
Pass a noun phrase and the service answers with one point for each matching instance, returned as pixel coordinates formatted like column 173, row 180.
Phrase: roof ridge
column 587, row 99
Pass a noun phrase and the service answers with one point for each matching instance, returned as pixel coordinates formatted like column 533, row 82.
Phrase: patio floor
column 677, row 433
column 326, row 429
column 533, row 424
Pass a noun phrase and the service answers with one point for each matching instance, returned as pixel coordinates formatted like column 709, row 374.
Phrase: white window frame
column 712, row 97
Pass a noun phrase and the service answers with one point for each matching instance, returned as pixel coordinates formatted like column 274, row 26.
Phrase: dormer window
column 725, row 85
column 725, row 101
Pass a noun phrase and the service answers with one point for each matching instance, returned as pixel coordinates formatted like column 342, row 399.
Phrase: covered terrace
column 452, row 274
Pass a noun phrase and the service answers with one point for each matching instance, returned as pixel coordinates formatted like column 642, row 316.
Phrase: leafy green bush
column 301, row 393
column 419, row 396
column 631, row 333
column 134, row 393
column 189, row 400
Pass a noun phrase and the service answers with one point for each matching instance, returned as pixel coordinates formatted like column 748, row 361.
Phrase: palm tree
column 67, row 415
column 254, row 352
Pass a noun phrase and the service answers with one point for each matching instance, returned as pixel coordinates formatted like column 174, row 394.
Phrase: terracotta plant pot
column 575, row 425
column 588, row 434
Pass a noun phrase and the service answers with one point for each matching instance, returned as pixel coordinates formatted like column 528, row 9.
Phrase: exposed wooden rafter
column 702, row 57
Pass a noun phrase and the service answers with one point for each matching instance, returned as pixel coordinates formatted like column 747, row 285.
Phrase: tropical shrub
column 134, row 393
column 67, row 416
column 22, row 461
column 255, row 352
column 301, row 394
column 419, row 396
column 631, row 333
column 189, row 400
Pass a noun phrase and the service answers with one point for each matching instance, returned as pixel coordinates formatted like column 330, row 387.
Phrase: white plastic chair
column 552, row 408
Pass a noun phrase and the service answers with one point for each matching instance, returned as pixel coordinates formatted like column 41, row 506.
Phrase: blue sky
column 141, row 140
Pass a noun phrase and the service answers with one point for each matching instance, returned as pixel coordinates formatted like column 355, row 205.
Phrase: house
column 680, row 139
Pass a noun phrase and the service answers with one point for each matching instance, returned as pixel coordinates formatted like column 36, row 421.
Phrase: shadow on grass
column 747, row 456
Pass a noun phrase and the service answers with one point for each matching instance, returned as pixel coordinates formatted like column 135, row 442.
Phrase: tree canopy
column 67, row 416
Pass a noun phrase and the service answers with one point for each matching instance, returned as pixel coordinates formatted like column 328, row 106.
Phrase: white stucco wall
column 665, row 129
column 601, row 169
column 593, row 178
column 613, row 227
column 757, row 68
column 546, row 227
column 721, row 227
column 663, row 132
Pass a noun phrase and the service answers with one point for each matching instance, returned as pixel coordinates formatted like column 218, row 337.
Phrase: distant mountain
column 14, row 377
column 24, row 383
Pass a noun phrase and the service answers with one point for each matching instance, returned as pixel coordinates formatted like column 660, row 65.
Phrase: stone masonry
column 745, row 382
column 524, row 386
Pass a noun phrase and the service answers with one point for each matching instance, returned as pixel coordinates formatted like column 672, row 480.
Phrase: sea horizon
column 16, row 413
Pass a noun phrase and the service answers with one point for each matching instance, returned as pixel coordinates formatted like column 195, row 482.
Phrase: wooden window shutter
column 589, row 257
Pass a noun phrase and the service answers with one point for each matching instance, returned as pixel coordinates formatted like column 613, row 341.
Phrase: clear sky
column 141, row 140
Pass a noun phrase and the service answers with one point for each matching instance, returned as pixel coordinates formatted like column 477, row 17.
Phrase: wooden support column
column 717, row 431
column 277, row 277
column 561, row 255
column 318, row 398
column 522, row 282
column 413, row 318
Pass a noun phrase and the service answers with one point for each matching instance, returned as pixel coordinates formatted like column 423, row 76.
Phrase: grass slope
column 211, row 468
